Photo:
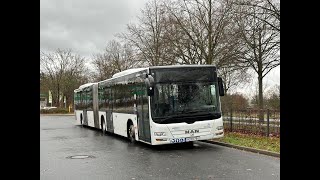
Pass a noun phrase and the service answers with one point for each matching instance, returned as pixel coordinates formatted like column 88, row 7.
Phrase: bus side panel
column 85, row 118
column 90, row 118
column 95, row 101
column 109, row 121
column 78, row 116
column 104, row 115
column 120, row 123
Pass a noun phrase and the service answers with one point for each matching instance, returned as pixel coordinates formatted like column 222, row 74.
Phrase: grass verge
column 56, row 111
column 253, row 141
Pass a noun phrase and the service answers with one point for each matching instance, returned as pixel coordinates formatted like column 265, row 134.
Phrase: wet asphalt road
column 115, row 158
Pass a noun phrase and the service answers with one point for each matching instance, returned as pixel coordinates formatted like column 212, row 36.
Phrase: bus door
column 95, row 106
column 143, row 114
column 85, row 117
column 109, row 118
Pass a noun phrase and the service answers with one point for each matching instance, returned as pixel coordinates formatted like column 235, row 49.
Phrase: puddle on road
column 50, row 129
column 80, row 157
column 59, row 138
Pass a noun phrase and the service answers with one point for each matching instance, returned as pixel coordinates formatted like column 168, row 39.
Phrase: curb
column 56, row 114
column 269, row 153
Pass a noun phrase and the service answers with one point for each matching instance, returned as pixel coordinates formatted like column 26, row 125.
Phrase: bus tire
column 81, row 120
column 189, row 144
column 103, row 125
column 131, row 132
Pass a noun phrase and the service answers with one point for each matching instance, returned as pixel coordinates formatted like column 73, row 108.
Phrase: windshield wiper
column 193, row 112
column 181, row 115
column 162, row 120
column 202, row 113
column 216, row 114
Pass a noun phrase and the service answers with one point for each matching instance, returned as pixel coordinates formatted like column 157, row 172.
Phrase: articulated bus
column 155, row 105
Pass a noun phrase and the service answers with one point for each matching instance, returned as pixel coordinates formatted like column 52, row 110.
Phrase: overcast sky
column 86, row 26
column 269, row 81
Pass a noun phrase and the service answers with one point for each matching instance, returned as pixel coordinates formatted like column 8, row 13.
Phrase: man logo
column 192, row 131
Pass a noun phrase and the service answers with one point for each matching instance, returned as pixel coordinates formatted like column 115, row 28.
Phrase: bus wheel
column 103, row 125
column 81, row 120
column 189, row 144
column 131, row 133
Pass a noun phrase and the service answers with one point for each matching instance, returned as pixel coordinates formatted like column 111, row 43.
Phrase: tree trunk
column 57, row 96
column 261, row 114
column 225, row 88
column 210, row 56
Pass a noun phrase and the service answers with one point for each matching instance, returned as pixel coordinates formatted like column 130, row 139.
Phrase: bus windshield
column 184, row 99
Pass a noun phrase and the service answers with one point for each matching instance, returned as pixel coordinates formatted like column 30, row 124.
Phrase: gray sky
column 86, row 26
column 269, row 81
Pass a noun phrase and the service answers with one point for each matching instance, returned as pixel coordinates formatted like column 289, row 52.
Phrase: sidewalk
column 57, row 114
column 269, row 153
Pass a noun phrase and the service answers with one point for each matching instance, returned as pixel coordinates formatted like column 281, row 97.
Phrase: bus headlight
column 159, row 133
column 219, row 127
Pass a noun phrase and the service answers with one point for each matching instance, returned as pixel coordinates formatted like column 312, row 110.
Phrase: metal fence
column 252, row 122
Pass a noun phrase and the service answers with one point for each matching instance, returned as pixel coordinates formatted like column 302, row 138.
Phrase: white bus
column 155, row 105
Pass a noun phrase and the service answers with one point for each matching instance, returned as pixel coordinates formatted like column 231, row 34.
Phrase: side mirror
column 150, row 85
column 220, row 84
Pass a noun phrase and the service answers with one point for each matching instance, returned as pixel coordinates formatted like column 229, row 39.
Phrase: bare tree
column 103, row 69
column 148, row 35
column 233, row 77
column 116, row 58
column 62, row 72
column 120, row 56
column 270, row 7
column 260, row 43
column 183, row 49
column 204, row 25
column 201, row 32
column 273, row 97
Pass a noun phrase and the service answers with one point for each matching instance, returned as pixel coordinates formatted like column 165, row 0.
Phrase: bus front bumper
column 164, row 140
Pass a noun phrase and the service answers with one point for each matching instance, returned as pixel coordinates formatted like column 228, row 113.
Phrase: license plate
column 178, row 140
column 182, row 140
column 191, row 139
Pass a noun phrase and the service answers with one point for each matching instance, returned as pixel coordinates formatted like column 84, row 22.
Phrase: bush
column 55, row 111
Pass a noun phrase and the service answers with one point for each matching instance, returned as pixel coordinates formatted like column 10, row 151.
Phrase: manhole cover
column 80, row 157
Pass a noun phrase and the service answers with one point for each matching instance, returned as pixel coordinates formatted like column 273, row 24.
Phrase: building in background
column 43, row 100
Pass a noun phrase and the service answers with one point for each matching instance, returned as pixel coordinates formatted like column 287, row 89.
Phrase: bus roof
column 134, row 70
column 83, row 86
column 128, row 71
column 181, row 66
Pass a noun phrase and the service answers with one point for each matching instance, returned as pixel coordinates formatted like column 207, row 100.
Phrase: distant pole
column 50, row 98
column 231, row 119
column 268, row 113
column 65, row 102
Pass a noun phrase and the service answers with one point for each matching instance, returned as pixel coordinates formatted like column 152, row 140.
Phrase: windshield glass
column 180, row 99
